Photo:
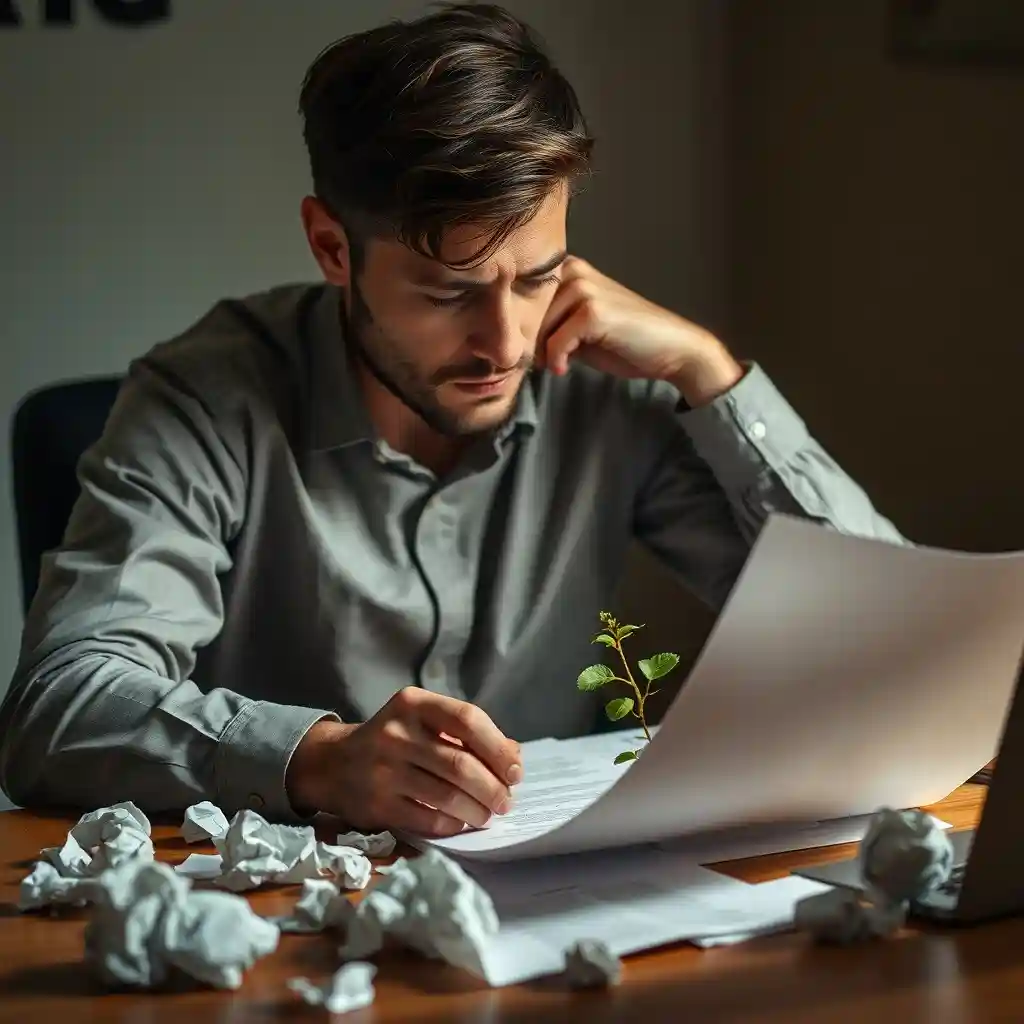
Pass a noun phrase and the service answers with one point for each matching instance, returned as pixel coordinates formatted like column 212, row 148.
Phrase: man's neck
column 404, row 430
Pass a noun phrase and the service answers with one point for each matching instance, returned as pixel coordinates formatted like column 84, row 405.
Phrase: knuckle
column 458, row 762
column 405, row 699
column 468, row 716
column 393, row 731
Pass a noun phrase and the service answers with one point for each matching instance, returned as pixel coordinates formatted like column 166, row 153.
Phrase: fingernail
column 505, row 806
column 514, row 775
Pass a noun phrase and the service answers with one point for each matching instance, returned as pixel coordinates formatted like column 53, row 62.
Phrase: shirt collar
column 339, row 416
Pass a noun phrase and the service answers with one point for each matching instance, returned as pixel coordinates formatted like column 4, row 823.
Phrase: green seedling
column 596, row 676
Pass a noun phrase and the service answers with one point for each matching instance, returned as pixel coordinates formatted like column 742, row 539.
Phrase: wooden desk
column 928, row 975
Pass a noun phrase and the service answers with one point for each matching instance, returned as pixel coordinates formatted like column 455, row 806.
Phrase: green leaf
column 658, row 666
column 604, row 638
column 626, row 755
column 623, row 631
column 618, row 708
column 595, row 677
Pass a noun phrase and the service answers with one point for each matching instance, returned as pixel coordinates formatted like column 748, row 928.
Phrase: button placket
column 436, row 535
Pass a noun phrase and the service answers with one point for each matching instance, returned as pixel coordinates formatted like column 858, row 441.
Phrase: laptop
column 987, row 880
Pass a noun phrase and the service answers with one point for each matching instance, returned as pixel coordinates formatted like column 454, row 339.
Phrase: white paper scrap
column 46, row 887
column 321, row 905
column 589, row 963
column 254, row 852
column 376, row 844
column 203, row 822
column 431, row 905
column 146, row 923
column 351, row 988
column 102, row 839
column 200, row 866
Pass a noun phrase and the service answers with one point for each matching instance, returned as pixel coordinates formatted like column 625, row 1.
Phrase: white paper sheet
column 647, row 899
column 843, row 675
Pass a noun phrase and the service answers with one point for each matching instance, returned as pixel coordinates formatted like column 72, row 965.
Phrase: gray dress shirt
column 246, row 556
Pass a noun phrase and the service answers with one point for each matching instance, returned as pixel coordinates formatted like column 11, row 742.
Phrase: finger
column 564, row 303
column 564, row 341
column 462, row 769
column 446, row 797
column 473, row 728
column 428, row 822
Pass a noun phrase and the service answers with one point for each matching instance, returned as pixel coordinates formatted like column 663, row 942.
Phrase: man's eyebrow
column 469, row 284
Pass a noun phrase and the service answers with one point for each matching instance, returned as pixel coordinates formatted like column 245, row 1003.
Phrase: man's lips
column 481, row 385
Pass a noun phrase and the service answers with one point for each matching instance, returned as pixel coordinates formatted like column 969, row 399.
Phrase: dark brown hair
column 458, row 117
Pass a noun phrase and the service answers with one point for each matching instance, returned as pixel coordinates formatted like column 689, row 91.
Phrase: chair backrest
column 52, row 427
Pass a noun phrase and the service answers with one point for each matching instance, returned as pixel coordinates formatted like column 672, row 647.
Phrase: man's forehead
column 530, row 247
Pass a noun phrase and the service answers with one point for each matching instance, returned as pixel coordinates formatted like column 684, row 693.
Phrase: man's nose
column 497, row 334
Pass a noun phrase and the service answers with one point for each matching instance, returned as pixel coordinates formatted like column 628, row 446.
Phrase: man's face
column 456, row 345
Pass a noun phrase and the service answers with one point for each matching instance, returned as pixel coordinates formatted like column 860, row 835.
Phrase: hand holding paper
column 425, row 763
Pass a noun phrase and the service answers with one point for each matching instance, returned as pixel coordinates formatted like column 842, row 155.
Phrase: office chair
column 51, row 429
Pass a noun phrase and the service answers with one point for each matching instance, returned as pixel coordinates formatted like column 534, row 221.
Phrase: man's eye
column 445, row 300
column 535, row 283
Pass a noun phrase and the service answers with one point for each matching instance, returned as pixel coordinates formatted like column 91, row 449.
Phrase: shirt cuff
column 745, row 430
column 253, row 755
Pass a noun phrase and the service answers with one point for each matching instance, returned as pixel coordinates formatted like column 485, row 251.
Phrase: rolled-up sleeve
column 102, row 707
column 724, row 468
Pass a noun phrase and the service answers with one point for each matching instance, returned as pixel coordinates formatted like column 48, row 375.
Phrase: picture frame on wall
column 957, row 32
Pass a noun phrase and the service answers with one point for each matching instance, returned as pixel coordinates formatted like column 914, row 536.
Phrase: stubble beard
column 401, row 378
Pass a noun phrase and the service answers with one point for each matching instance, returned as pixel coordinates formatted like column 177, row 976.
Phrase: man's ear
column 328, row 242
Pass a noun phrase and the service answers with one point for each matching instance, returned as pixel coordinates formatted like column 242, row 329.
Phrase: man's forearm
column 90, row 729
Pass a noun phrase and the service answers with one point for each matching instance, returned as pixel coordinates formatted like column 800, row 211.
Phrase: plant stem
column 636, row 689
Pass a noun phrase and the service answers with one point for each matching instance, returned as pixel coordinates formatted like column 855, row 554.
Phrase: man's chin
column 479, row 415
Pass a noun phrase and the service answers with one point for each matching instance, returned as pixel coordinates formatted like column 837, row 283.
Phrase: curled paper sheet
column 591, row 964
column 203, row 821
column 46, row 887
column 351, row 988
column 377, row 844
column 430, row 904
column 905, row 854
column 844, row 917
column 254, row 852
column 321, row 905
column 102, row 839
column 147, row 923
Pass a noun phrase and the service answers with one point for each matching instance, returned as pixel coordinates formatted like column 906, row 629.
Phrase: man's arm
column 724, row 467
column 102, row 707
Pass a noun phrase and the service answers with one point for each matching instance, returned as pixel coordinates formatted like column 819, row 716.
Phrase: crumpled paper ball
column 147, row 923
column 320, row 905
column 102, row 839
column 591, row 964
column 350, row 988
column 430, row 904
column 843, row 917
column 905, row 854
column 45, row 887
column 254, row 852
column 203, row 822
column 373, row 844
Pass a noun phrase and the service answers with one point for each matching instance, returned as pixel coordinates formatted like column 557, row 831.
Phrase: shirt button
column 758, row 430
column 256, row 802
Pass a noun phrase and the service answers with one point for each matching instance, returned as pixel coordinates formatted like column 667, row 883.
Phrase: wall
column 877, row 211
column 150, row 171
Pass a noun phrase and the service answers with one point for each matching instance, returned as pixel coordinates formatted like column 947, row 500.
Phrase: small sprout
column 596, row 676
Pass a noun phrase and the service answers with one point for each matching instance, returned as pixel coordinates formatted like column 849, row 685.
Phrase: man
column 342, row 546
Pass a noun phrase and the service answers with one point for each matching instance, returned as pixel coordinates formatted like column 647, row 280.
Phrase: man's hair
column 459, row 117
